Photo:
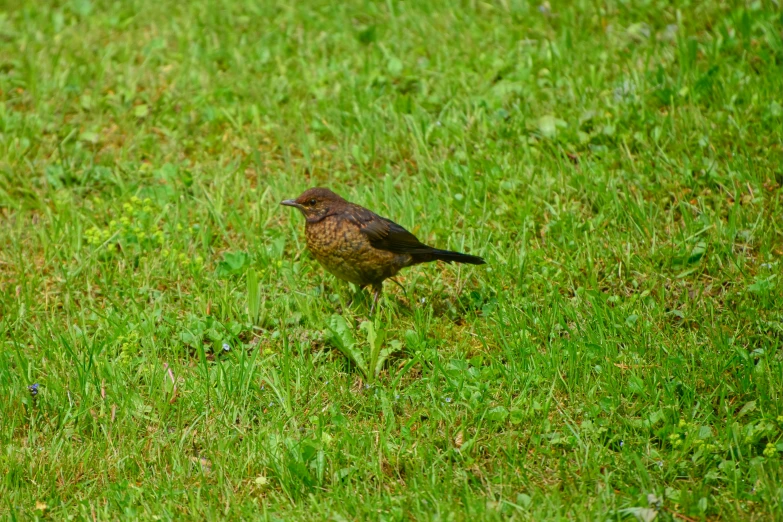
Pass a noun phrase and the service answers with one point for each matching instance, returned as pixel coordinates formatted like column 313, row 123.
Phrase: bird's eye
column 311, row 202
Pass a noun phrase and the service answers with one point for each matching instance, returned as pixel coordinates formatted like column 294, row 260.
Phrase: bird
column 359, row 246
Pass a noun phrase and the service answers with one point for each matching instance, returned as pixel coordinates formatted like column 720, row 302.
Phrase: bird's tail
column 456, row 257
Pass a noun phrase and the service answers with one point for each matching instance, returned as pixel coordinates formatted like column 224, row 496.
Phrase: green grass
column 618, row 164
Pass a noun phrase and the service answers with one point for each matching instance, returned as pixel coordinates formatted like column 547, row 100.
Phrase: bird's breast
column 337, row 243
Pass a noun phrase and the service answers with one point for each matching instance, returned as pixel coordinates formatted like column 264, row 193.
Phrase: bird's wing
column 385, row 234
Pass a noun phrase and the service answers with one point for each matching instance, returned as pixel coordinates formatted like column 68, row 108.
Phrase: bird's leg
column 376, row 294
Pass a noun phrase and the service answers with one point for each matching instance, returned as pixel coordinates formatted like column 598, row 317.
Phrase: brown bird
column 359, row 246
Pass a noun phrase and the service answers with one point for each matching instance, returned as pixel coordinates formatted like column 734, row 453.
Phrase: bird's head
column 315, row 203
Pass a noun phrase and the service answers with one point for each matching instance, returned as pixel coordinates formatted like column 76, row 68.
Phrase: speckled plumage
column 339, row 245
column 359, row 246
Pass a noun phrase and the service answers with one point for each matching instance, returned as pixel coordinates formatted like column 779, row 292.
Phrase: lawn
column 169, row 349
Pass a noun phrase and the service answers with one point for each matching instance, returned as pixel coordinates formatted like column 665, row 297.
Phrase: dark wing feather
column 387, row 235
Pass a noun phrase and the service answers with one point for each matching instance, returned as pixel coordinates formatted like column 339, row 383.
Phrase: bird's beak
column 291, row 203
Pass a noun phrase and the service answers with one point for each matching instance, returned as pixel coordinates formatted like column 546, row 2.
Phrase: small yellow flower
column 682, row 423
column 199, row 260
column 106, row 234
column 182, row 257
column 179, row 227
column 279, row 264
column 141, row 235
column 113, row 223
column 127, row 207
column 780, row 419
column 97, row 200
column 147, row 201
column 147, row 209
column 125, row 221
column 770, row 450
column 135, row 200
